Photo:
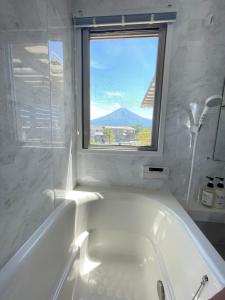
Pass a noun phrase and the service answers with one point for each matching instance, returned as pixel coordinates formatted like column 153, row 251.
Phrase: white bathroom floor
column 118, row 278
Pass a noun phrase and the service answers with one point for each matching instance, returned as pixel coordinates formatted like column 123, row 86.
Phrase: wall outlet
column 150, row 172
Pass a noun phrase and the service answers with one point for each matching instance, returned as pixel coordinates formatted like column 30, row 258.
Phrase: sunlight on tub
column 83, row 197
column 159, row 219
column 88, row 266
column 81, row 238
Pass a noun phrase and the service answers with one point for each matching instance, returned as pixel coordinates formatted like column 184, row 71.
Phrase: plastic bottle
column 208, row 193
column 219, row 201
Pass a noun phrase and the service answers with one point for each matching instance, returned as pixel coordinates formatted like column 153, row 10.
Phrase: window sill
column 135, row 152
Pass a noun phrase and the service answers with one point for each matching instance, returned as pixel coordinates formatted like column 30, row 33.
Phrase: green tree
column 108, row 132
column 145, row 136
column 137, row 128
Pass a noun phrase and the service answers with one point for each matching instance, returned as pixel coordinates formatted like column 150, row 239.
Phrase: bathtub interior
column 114, row 265
column 119, row 222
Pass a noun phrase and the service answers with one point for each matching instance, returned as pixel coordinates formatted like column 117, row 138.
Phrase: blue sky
column 121, row 71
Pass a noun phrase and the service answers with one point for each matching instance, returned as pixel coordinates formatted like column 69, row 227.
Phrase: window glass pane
column 122, row 91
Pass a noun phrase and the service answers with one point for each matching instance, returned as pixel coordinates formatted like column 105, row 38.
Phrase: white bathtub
column 124, row 243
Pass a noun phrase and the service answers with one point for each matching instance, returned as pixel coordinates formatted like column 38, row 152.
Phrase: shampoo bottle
column 208, row 193
column 219, row 201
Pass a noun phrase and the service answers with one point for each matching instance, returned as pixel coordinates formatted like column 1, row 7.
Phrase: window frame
column 161, row 31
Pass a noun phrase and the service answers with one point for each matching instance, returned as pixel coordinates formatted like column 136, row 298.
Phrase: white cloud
column 97, row 65
column 100, row 111
column 112, row 94
column 115, row 106
column 97, row 112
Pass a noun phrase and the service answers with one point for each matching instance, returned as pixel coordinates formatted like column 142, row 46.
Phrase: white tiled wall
column 36, row 115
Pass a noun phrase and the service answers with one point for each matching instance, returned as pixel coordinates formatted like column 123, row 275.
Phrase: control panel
column 150, row 172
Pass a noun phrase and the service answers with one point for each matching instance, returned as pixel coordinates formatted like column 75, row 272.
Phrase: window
column 122, row 83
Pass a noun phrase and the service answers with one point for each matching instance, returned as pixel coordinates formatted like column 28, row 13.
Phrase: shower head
column 210, row 102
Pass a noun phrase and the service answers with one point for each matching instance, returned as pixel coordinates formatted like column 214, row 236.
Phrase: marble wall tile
column 106, row 7
column 23, row 15
column 196, row 72
column 36, row 115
